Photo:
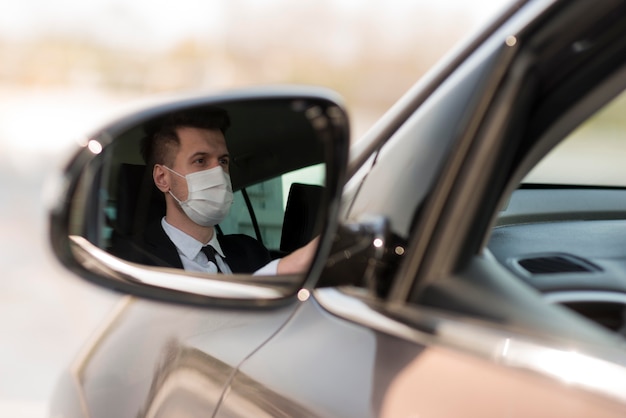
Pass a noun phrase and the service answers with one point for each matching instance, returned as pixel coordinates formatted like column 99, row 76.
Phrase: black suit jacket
column 243, row 254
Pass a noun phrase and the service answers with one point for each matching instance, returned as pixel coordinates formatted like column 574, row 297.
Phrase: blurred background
column 66, row 67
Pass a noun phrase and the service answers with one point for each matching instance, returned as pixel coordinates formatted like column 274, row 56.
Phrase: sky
column 334, row 26
column 158, row 24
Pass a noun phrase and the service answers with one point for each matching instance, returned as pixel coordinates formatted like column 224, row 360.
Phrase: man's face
column 199, row 149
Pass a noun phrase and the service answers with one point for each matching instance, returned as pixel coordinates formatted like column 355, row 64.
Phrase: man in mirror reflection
column 190, row 166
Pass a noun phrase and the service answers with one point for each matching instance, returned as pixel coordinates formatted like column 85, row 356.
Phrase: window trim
column 474, row 174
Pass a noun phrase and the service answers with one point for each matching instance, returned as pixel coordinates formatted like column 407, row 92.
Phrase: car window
column 561, row 231
column 268, row 200
column 592, row 155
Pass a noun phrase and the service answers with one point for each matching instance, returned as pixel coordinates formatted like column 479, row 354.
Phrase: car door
column 432, row 325
column 152, row 359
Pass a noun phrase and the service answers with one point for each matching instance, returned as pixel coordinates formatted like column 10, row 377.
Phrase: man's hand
column 299, row 260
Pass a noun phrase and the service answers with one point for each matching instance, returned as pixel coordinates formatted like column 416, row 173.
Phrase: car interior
column 278, row 192
column 563, row 230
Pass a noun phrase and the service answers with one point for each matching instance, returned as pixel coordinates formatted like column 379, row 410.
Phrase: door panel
column 318, row 365
column 164, row 360
column 322, row 365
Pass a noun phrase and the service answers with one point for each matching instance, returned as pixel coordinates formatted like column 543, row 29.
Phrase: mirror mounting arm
column 366, row 250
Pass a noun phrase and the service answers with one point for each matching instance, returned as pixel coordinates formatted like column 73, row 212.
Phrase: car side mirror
column 288, row 152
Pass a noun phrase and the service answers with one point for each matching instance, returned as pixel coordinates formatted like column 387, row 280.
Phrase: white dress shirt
column 193, row 259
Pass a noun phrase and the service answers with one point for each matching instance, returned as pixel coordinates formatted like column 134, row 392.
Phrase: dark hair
column 161, row 137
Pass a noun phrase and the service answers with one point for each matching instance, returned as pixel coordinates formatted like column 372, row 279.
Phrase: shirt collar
column 186, row 244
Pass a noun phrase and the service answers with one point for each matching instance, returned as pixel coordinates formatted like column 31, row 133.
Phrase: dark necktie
column 210, row 254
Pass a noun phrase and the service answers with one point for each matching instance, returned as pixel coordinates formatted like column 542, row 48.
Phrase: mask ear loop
column 170, row 191
column 178, row 174
column 175, row 198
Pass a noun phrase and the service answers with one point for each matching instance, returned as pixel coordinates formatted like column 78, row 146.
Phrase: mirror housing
column 273, row 132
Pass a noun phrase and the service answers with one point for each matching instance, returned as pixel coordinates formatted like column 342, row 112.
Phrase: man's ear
column 161, row 178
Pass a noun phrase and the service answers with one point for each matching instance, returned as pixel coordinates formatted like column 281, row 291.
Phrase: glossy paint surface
column 157, row 358
column 317, row 364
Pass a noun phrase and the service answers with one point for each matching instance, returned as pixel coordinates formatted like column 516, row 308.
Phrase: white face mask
column 210, row 196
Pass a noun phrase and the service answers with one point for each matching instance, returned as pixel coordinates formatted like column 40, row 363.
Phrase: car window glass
column 592, row 155
column 268, row 200
column 560, row 231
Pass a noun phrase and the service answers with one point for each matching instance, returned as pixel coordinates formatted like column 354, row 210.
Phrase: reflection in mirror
column 233, row 188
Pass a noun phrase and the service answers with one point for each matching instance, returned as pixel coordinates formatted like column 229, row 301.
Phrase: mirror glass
column 257, row 176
